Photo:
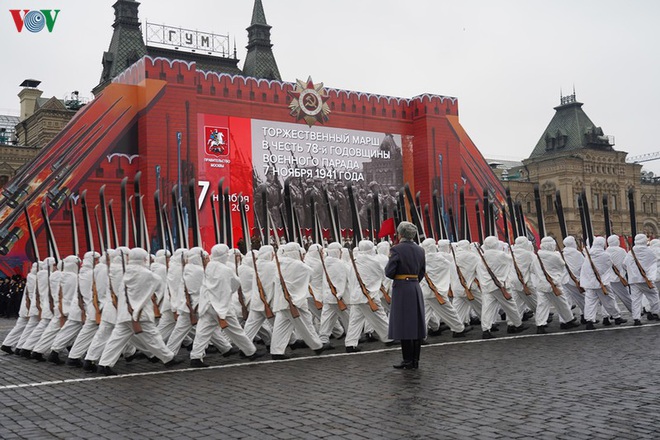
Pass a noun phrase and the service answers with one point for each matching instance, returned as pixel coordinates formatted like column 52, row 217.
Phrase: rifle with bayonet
column 372, row 305
column 548, row 278
column 461, row 278
column 241, row 300
column 192, row 311
column 434, row 289
column 318, row 304
column 137, row 327
column 333, row 290
column 596, row 273
column 496, row 281
column 519, row 274
column 642, row 272
column 285, row 290
column 267, row 310
column 570, row 272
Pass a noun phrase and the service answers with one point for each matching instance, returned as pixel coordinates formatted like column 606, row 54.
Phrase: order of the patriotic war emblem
column 217, row 141
column 309, row 102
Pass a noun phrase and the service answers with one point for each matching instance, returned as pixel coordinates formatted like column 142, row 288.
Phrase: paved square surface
column 578, row 384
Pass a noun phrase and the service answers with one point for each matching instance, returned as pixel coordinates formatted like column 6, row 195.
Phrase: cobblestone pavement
column 578, row 384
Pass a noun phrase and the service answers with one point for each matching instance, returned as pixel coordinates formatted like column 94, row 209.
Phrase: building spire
column 260, row 61
column 258, row 15
column 127, row 43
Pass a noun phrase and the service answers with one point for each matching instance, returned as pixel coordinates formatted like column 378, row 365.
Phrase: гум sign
column 35, row 20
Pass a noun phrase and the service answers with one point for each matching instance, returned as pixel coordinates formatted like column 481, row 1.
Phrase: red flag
column 387, row 228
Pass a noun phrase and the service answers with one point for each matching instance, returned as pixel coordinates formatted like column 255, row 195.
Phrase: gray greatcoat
column 407, row 319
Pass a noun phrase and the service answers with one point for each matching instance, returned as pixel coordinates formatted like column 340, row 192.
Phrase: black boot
column 55, row 358
column 74, row 362
column 197, row 363
column 7, row 349
column 417, row 348
column 89, row 366
column 106, row 371
column 408, row 353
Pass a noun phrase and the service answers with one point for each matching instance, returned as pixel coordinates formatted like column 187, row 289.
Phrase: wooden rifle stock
column 340, row 302
column 186, row 294
column 192, row 311
column 570, row 272
column 372, row 305
column 461, row 278
column 154, row 301
column 519, row 274
column 95, row 300
column 386, row 294
column 26, row 294
column 318, row 304
column 241, row 300
column 60, row 297
column 450, row 293
column 113, row 295
column 37, row 297
column 51, row 301
column 81, row 305
column 642, row 272
column 287, row 296
column 596, row 273
column 622, row 279
column 434, row 289
column 548, row 278
column 137, row 327
column 267, row 310
column 497, row 283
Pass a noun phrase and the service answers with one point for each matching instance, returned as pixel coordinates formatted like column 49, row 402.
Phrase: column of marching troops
column 128, row 303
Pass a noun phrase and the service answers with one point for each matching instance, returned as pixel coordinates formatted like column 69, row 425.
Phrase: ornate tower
column 260, row 61
column 127, row 43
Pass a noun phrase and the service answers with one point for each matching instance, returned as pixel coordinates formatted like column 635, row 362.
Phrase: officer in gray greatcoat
column 407, row 266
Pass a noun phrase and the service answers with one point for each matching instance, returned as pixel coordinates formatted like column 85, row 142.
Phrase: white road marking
column 304, row 358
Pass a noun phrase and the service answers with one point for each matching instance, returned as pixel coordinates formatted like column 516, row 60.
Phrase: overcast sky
column 505, row 61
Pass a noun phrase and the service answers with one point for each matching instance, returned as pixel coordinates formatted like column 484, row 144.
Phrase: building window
column 652, row 208
column 276, row 98
column 549, row 205
column 644, row 207
column 343, row 106
column 264, row 97
column 529, row 207
column 594, row 201
column 613, row 202
column 99, row 172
